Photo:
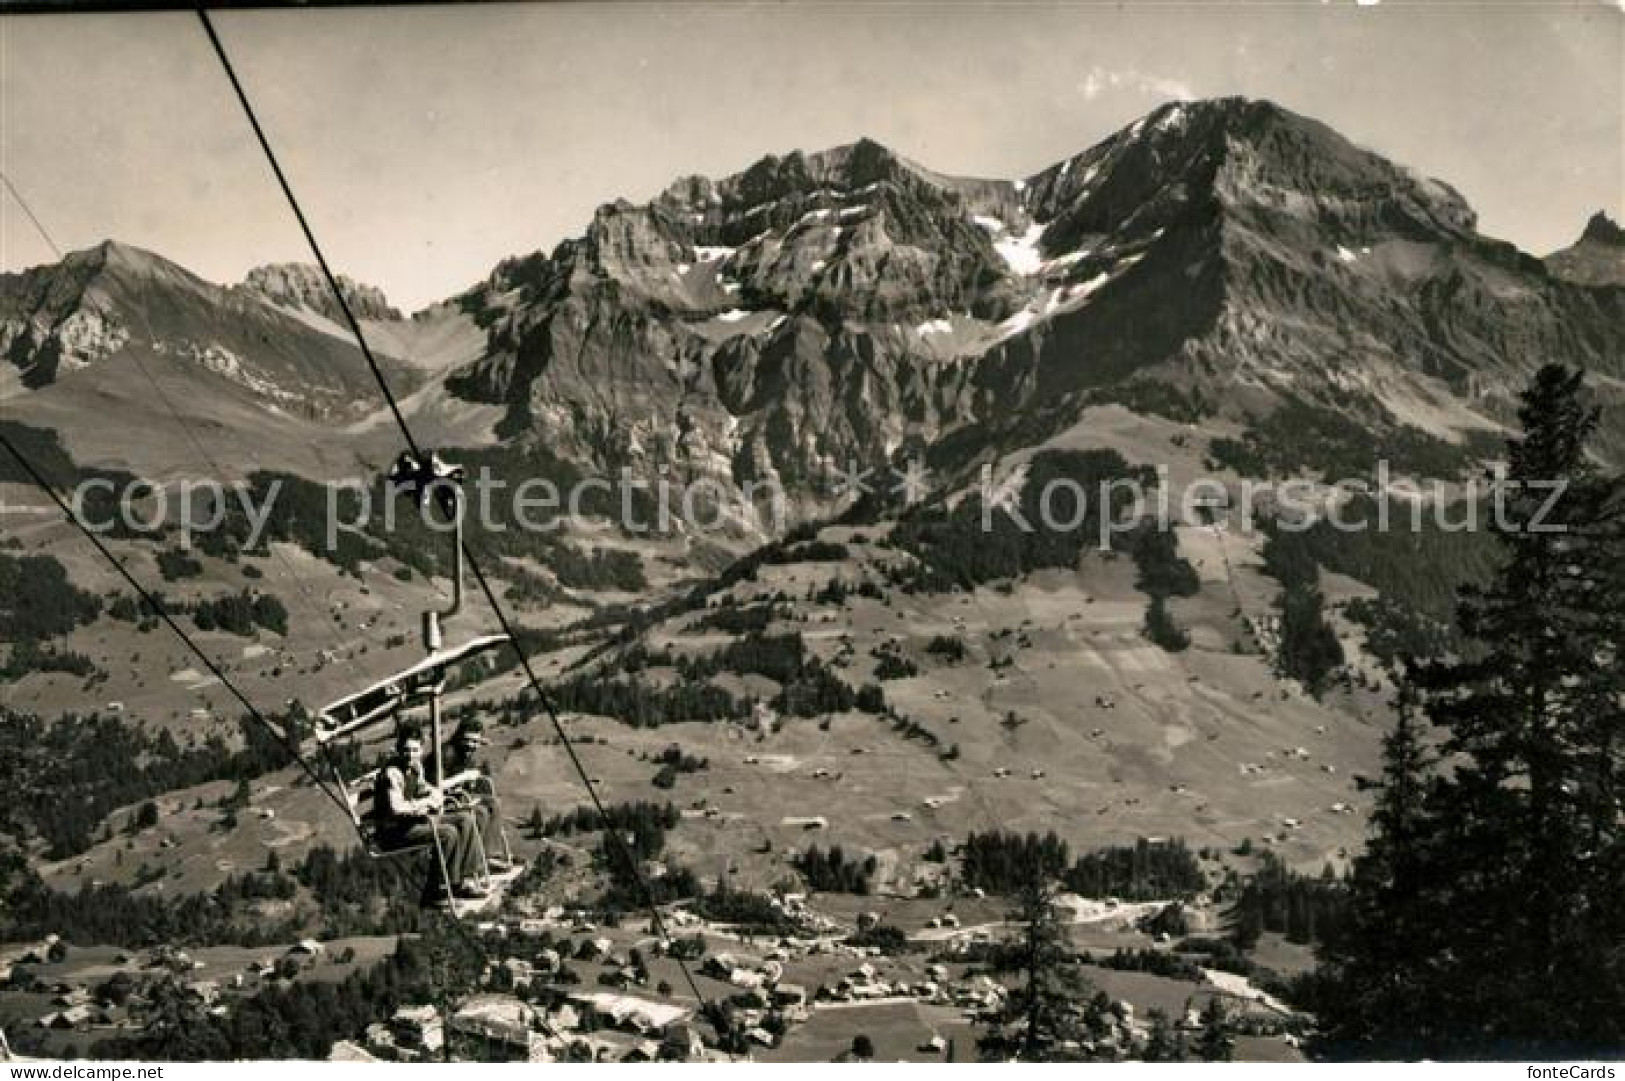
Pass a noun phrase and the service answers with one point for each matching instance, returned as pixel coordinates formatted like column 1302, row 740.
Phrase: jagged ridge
column 300, row 285
column 851, row 305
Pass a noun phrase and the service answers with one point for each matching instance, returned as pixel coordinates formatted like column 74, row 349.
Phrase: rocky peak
column 857, row 164
column 855, row 231
column 94, row 272
column 1604, row 230
column 847, row 167
column 69, row 314
column 302, row 286
column 1257, row 163
column 116, row 255
column 1597, row 258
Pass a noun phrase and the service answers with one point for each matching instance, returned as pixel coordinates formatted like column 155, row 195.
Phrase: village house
column 415, row 1033
column 681, row 1043
column 629, row 1013
column 504, row 1026
column 73, row 1017
column 791, row 999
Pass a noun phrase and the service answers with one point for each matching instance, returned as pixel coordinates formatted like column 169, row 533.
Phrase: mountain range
column 1222, row 262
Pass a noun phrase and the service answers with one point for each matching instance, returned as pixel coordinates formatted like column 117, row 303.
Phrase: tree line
column 1309, row 650
column 1004, row 862
column 833, row 871
column 954, row 551
column 65, row 778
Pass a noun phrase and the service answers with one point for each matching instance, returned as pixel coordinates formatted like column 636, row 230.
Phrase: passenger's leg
column 479, row 858
column 456, row 842
column 466, row 867
column 442, row 844
column 489, row 820
column 496, row 836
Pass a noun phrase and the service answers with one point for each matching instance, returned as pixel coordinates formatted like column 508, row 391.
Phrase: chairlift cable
column 354, row 324
column 310, row 237
column 162, row 612
column 17, row 195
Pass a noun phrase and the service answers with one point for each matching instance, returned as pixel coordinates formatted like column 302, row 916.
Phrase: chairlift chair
column 420, row 684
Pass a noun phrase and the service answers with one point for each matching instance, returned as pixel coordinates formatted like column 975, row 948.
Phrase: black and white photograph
column 894, row 533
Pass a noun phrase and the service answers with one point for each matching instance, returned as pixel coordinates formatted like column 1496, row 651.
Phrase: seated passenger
column 472, row 790
column 410, row 812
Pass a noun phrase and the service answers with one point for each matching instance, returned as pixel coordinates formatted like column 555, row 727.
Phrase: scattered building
column 503, row 1024
column 630, row 1013
column 414, row 1033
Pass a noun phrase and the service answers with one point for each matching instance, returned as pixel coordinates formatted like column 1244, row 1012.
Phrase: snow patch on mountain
column 1020, row 253
column 1172, row 119
column 88, row 335
column 227, row 364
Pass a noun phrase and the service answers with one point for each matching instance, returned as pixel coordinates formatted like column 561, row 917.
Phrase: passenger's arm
column 396, row 802
column 467, row 777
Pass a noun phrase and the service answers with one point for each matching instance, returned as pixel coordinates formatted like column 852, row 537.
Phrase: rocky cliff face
column 302, row 286
column 849, row 306
column 774, row 325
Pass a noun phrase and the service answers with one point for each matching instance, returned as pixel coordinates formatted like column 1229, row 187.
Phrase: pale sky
column 428, row 143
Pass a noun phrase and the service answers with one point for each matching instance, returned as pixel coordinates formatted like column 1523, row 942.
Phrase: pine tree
column 177, row 1027
column 1309, row 651
column 1160, row 627
column 1164, row 1042
column 1486, row 917
column 1595, row 587
column 1216, row 1042
column 1520, row 716
column 1376, row 961
column 1043, row 1018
